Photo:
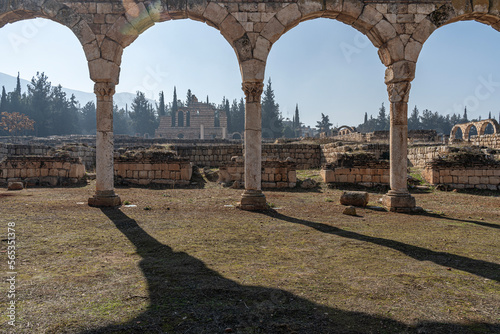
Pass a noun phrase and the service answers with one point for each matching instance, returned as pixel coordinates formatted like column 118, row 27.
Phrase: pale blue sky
column 323, row 65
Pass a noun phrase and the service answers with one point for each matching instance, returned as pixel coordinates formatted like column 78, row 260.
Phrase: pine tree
column 414, row 120
column 142, row 115
column 89, row 118
column 382, row 119
column 39, row 104
column 324, row 125
column 175, row 108
column 4, row 102
column 161, row 107
column 272, row 121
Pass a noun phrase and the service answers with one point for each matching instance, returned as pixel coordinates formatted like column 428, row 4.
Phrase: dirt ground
column 188, row 261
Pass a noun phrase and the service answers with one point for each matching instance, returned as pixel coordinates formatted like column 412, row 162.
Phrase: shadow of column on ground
column 187, row 297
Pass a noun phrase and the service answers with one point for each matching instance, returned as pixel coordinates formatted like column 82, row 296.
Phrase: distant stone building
column 196, row 121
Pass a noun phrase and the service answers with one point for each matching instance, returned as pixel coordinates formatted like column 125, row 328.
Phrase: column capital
column 399, row 91
column 253, row 91
column 104, row 91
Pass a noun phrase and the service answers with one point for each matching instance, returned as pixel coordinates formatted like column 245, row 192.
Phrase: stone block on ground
column 354, row 198
column 15, row 186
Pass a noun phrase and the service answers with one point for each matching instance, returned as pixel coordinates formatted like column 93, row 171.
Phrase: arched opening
column 457, row 134
column 471, row 131
column 236, row 136
column 47, row 54
column 342, row 66
column 488, row 129
column 453, row 92
column 180, row 136
column 187, row 67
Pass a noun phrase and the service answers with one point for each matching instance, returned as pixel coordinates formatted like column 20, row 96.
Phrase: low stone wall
column 367, row 176
column 306, row 156
column 87, row 154
column 20, row 150
column 464, row 172
column 363, row 169
column 275, row 174
column 157, row 170
column 491, row 141
column 42, row 171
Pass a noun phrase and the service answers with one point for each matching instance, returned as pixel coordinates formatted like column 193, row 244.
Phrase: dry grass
column 192, row 265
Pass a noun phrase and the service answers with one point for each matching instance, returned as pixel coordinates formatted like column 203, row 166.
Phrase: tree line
column 49, row 111
column 427, row 120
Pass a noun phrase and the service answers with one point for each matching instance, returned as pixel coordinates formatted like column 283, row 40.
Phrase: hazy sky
column 323, row 65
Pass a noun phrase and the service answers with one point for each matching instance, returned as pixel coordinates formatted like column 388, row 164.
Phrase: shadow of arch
column 59, row 13
column 187, row 297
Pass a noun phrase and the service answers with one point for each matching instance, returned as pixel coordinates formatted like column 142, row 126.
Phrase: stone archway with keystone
column 398, row 29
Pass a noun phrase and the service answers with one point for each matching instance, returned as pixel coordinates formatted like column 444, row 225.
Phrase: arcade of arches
column 398, row 28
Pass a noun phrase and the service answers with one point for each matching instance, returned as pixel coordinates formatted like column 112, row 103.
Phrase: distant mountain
column 120, row 99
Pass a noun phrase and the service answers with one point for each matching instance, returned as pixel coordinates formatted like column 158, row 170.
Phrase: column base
column 105, row 199
column 400, row 202
column 253, row 200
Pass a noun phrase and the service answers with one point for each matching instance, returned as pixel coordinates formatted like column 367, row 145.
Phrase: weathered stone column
column 105, row 194
column 398, row 198
column 253, row 199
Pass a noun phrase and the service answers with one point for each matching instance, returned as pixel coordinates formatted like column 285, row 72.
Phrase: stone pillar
column 105, row 194
column 398, row 198
column 253, row 199
column 224, row 133
column 202, row 131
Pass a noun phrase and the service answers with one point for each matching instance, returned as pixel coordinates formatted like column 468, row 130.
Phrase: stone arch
column 365, row 18
column 468, row 128
column 139, row 17
column 345, row 129
column 57, row 12
column 470, row 10
column 457, row 129
column 236, row 136
column 484, row 125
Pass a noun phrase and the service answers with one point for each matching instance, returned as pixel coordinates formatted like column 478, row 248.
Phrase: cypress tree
column 465, row 119
column 161, row 107
column 189, row 97
column 175, row 108
column 366, row 118
column 18, row 86
column 489, row 115
column 3, row 101
column 296, row 119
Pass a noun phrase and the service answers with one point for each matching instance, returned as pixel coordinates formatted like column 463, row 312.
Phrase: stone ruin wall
column 42, row 171
column 362, row 169
column 491, row 141
column 275, row 174
column 457, row 177
column 330, row 153
column 149, row 171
